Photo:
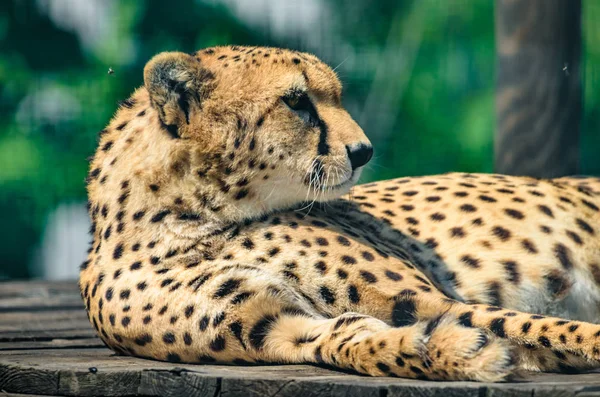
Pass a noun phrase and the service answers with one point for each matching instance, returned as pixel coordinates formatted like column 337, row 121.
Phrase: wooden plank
column 17, row 289
column 56, row 352
column 48, row 334
column 539, row 90
column 43, row 320
column 40, row 303
column 20, row 379
column 55, row 343
column 6, row 394
column 67, row 372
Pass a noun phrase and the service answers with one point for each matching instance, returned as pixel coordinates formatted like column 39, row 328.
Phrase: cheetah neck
column 171, row 191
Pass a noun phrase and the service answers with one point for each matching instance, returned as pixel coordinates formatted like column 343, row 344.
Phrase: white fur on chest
column 582, row 302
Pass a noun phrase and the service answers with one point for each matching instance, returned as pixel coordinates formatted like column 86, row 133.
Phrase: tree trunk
column 538, row 93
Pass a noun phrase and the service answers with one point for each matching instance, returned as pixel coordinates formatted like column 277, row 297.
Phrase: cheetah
column 227, row 229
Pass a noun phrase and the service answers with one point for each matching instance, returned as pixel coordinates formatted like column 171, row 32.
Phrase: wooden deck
column 47, row 347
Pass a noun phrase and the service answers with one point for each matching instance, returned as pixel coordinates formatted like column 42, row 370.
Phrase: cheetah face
column 273, row 118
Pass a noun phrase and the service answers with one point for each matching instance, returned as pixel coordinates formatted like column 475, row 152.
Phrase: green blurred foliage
column 418, row 76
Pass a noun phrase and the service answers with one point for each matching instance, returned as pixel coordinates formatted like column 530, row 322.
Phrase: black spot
column 590, row 205
column 189, row 310
column 583, row 225
column 514, row 213
column 248, row 244
column 127, row 103
column 123, row 197
column 94, row 174
column 217, row 344
column 353, row 295
column 348, row 260
column 526, row 327
column 529, row 246
column 544, row 341
column 169, row 338
column 327, row 295
column 457, row 232
column 564, row 255
column 404, row 313
column 321, row 267
column 227, row 288
column 487, row 199
column 468, row 208
column 236, row 328
column 466, row 319
column 470, row 261
column 368, row 277
column 383, row 367
column 241, row 194
column 497, row 327
column 241, row 297
column 575, row 237
column 556, row 283
column 494, row 294
column 118, row 252
column 203, row 324
column 393, row 275
column 173, row 358
column 367, row 256
column 138, row 215
column 512, row 268
column 166, row 282
column 502, row 233
column 343, row 241
column 546, row 210
column 260, row 330
column 109, row 294
column 437, row 217
column 160, row 216
column 322, row 241
column 218, row 319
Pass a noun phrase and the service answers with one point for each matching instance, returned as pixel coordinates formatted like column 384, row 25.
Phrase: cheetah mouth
column 348, row 182
column 318, row 177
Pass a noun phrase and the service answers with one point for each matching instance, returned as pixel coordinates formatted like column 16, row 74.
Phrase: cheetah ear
column 177, row 84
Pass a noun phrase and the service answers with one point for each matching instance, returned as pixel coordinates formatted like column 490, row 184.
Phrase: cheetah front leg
column 242, row 316
column 439, row 349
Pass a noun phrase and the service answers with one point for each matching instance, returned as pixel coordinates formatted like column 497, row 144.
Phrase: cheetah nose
column 359, row 155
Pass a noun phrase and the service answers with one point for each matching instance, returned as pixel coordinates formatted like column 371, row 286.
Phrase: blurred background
column 418, row 76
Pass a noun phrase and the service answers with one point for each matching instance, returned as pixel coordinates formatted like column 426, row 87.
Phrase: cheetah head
column 244, row 131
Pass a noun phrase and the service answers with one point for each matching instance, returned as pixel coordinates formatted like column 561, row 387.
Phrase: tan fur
column 208, row 247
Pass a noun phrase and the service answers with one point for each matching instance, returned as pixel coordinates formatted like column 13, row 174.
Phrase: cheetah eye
column 292, row 101
column 300, row 103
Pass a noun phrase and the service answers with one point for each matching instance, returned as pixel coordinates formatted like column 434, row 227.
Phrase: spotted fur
column 208, row 245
